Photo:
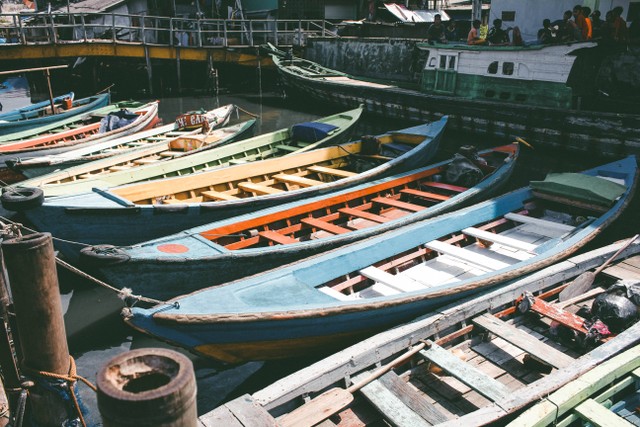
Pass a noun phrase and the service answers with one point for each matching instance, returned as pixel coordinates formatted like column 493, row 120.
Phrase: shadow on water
column 93, row 346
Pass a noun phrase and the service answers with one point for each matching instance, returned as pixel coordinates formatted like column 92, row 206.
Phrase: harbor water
column 93, row 344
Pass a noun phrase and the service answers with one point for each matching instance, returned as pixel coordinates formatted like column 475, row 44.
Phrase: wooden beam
column 444, row 186
column 364, row 215
column 599, row 416
column 276, row 237
column 298, row 180
column 252, row 187
column 403, row 284
column 524, row 219
column 331, row 171
column 425, row 194
column 500, row 239
column 323, row 225
column 389, row 201
column 479, row 260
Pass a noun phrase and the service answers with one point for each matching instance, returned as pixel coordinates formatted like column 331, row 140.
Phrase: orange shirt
column 582, row 24
column 589, row 28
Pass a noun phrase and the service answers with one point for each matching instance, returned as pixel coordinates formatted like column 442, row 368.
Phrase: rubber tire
column 22, row 199
column 99, row 255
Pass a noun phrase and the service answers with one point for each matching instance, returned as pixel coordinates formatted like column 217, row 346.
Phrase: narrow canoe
column 79, row 106
column 484, row 347
column 34, row 110
column 13, row 153
column 102, row 148
column 372, row 284
column 159, row 158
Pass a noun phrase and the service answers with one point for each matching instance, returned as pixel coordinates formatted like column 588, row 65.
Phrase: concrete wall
column 529, row 19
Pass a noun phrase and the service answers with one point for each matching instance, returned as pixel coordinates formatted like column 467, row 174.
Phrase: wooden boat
column 102, row 148
column 479, row 90
column 159, row 158
column 481, row 361
column 368, row 285
column 103, row 216
column 34, row 110
column 142, row 118
column 606, row 395
column 79, row 106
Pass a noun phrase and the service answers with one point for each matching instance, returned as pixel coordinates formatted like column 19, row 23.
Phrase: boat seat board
column 249, row 412
column 217, row 195
column 400, row 283
column 323, row 225
column 299, row 180
column 466, row 373
column 169, row 153
column 400, row 404
column 252, row 187
column 466, row 255
column 444, row 186
column 524, row 341
column 277, row 237
column 499, row 239
column 425, row 194
column 364, row 215
column 331, row 171
column 598, row 415
column 524, row 219
column 290, row 148
column 327, row 290
column 570, row 202
column 388, row 201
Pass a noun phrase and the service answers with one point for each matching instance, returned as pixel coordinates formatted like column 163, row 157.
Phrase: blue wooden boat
column 30, row 120
column 161, row 207
column 34, row 110
column 357, row 289
column 480, row 359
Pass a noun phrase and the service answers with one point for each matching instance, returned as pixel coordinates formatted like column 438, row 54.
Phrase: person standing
column 473, row 38
column 545, row 36
column 619, row 25
column 451, row 31
column 435, row 33
column 586, row 12
column 580, row 22
column 596, row 24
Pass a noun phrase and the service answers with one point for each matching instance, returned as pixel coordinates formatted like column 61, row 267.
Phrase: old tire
column 99, row 255
column 22, row 199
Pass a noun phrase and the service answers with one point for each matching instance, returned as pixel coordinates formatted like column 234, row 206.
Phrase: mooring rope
column 247, row 112
column 71, row 378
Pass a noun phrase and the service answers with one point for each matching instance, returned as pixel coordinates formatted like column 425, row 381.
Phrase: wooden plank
column 250, row 413
column 288, row 148
column 477, row 380
column 570, row 202
column 323, row 225
column 524, row 341
column 328, row 290
column 618, row 271
column 217, row 195
column 466, row 255
column 444, row 186
column 499, row 239
column 170, row 153
column 425, row 194
column 331, row 171
column 412, row 398
column 252, row 187
column 277, row 237
column 397, row 282
column 299, row 180
column 524, row 219
column 394, row 410
column 599, row 416
column 221, row 416
column 364, row 215
column 388, row 201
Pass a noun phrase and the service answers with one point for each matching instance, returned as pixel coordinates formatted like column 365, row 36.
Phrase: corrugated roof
column 88, row 6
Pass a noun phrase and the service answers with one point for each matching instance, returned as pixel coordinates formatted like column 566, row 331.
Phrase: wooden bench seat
column 444, row 186
column 331, row 171
column 328, row 290
column 364, row 215
column 466, row 255
column 323, row 225
column 466, row 373
column 388, row 201
column 217, row 195
column 170, row 153
column 119, row 168
column 399, row 283
column 276, row 237
column 289, row 148
column 425, row 194
column 298, row 180
column 524, row 341
column 145, row 161
column 524, row 219
column 500, row 239
column 258, row 188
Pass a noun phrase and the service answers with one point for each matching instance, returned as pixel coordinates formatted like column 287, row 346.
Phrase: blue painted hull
column 98, row 218
column 282, row 309
column 80, row 106
column 31, row 111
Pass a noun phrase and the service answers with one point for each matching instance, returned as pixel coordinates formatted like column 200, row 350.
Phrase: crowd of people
column 580, row 24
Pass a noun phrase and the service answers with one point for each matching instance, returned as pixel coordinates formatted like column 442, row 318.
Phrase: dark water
column 93, row 347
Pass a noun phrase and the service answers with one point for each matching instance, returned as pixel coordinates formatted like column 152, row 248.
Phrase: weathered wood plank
column 324, row 225
column 524, row 341
column 524, row 219
column 499, row 239
column 364, row 215
column 620, row 272
column 425, row 194
column 252, row 187
column 388, row 201
column 412, row 398
column 331, row 171
column 221, row 416
column 298, row 180
column 397, row 282
column 487, row 386
column 250, row 413
column 277, row 237
column 599, row 416
column 466, row 255
column 444, row 186
column 217, row 195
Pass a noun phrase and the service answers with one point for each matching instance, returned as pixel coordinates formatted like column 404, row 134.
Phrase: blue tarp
column 311, row 131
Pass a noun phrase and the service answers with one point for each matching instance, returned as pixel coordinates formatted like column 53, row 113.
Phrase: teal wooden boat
column 34, row 110
column 79, row 106
column 475, row 362
column 61, row 160
column 366, row 286
column 153, row 208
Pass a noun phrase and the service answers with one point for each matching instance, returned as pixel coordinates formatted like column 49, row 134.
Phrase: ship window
column 443, row 62
column 493, row 68
column 521, row 97
column 490, row 93
column 505, row 95
column 452, row 62
column 507, row 68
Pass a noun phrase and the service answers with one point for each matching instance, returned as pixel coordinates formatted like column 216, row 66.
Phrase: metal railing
column 63, row 28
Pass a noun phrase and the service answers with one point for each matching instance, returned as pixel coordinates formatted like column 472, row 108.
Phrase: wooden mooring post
column 31, row 270
column 149, row 387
